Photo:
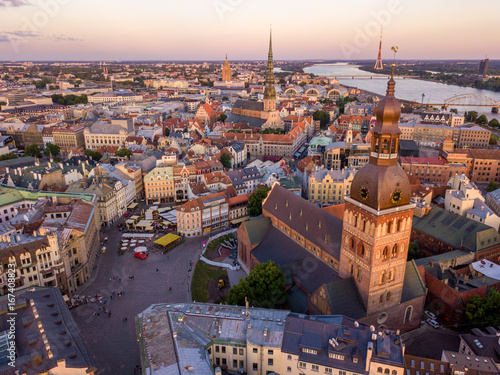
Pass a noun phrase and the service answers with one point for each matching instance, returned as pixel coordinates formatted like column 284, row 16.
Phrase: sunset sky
column 208, row 29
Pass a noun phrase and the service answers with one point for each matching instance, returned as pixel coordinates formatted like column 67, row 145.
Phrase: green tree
column 51, row 149
column 413, row 251
column 8, row 156
column 225, row 98
column 483, row 311
column 124, row 153
column 263, row 287
column 492, row 186
column 482, row 120
column 33, row 150
column 167, row 132
column 322, row 117
column 94, row 155
column 471, row 116
column 222, row 117
column 493, row 140
column 254, row 206
column 225, row 159
column 494, row 123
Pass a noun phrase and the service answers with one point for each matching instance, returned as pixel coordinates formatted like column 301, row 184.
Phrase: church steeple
column 270, row 90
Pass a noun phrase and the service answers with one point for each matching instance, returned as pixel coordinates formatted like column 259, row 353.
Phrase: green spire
column 270, row 91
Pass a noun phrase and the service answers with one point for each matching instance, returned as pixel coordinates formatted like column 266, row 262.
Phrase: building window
column 254, row 366
column 270, row 352
column 235, row 351
column 315, row 367
column 408, row 314
column 288, row 369
column 270, row 362
column 289, row 357
column 235, row 363
column 379, row 370
column 217, row 349
column 255, row 350
column 328, row 370
column 302, row 365
column 241, row 351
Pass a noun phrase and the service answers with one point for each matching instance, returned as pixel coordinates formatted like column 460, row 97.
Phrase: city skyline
column 48, row 30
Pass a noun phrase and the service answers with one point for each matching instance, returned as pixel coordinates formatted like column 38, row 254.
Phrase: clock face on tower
column 396, row 196
column 364, row 193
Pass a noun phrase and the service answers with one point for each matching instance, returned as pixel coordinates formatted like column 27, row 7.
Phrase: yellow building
column 330, row 186
column 159, row 185
column 226, row 72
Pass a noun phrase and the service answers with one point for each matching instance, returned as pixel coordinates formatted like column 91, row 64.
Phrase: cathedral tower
column 378, row 216
column 270, row 90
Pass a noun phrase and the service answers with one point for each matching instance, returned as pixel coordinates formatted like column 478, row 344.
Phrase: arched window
column 385, row 253
column 355, row 221
column 351, row 269
column 381, row 300
column 351, row 243
column 389, row 294
column 379, row 369
column 408, row 313
column 389, row 227
column 383, row 277
column 288, row 369
column 362, row 250
column 386, row 371
column 399, row 225
column 385, row 146
column 358, row 273
column 364, row 225
column 395, row 251
column 394, row 372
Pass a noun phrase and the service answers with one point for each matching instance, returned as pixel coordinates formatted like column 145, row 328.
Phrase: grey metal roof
column 413, row 286
column 344, row 298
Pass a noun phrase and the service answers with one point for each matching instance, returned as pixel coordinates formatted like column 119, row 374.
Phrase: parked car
column 141, row 255
column 432, row 323
column 430, row 315
column 127, row 214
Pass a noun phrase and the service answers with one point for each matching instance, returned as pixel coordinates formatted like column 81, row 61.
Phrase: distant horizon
column 93, row 30
column 316, row 61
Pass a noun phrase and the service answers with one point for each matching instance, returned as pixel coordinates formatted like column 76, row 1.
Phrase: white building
column 465, row 199
column 115, row 97
column 105, row 134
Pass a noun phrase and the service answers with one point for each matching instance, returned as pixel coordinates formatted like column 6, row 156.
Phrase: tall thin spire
column 270, row 91
column 378, row 63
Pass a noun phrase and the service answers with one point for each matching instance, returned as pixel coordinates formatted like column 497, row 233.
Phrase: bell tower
column 378, row 216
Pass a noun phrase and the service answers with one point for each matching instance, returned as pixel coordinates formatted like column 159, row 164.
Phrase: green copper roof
column 10, row 195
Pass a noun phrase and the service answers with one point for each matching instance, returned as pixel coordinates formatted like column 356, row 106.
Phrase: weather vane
column 395, row 50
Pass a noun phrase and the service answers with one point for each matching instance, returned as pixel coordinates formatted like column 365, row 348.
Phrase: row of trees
column 473, row 116
column 69, row 99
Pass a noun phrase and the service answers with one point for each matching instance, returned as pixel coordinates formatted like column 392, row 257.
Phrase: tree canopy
column 93, row 154
column 69, row 99
column 124, row 153
column 255, row 201
column 323, row 117
column 413, row 251
column 225, row 159
column 263, row 287
column 483, row 311
column 222, row 117
column 8, row 156
column 33, row 150
column 51, row 149
column 482, row 120
column 492, row 186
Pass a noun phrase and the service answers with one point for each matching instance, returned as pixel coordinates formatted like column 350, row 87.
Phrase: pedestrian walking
column 157, row 270
column 170, row 289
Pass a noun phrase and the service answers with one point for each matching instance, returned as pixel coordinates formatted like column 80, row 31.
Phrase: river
column 409, row 88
